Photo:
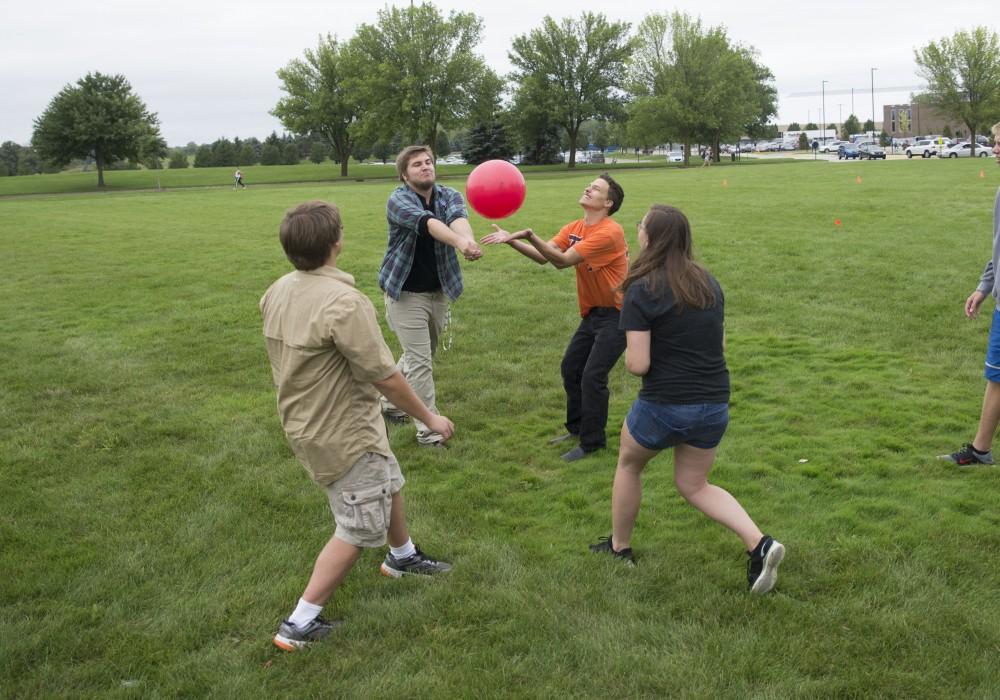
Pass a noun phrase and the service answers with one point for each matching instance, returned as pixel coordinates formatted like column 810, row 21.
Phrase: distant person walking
column 673, row 316
column 980, row 450
column 707, row 157
column 238, row 179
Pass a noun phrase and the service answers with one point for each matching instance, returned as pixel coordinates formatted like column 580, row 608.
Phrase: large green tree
column 963, row 77
column 319, row 98
column 419, row 71
column 695, row 84
column 580, row 64
column 100, row 118
column 850, row 126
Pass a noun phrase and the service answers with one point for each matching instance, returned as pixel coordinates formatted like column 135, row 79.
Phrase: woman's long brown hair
column 668, row 260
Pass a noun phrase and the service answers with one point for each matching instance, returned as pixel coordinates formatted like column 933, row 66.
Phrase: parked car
column 847, row 150
column 965, row 150
column 675, row 157
column 925, row 148
column 831, row 146
column 871, row 151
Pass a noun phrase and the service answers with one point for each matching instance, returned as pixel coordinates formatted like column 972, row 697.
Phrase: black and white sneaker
column 762, row 567
column 418, row 564
column 291, row 637
column 603, row 544
column 969, row 456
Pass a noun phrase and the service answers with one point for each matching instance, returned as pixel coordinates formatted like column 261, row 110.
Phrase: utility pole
column 873, row 102
column 824, row 109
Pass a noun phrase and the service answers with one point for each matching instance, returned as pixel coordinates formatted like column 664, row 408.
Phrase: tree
column 869, row 126
column 811, row 126
column 963, row 76
column 320, row 100
column 884, row 139
column 9, row 154
column 534, row 128
column 269, row 155
column 178, row 159
column 318, row 152
column 419, row 71
column 246, row 155
column 580, row 65
column 803, row 144
column 99, row 117
column 851, row 126
column 706, row 89
column 794, row 126
column 442, row 146
column 204, row 158
column 290, row 154
column 486, row 142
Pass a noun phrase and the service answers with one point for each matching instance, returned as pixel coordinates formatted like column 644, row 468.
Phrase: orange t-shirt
column 605, row 261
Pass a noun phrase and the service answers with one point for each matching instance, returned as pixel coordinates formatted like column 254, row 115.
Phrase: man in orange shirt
column 595, row 246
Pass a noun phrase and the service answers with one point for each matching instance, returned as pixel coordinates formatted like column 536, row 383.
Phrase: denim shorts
column 657, row 426
column 992, row 369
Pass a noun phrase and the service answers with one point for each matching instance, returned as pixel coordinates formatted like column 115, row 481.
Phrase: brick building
column 916, row 119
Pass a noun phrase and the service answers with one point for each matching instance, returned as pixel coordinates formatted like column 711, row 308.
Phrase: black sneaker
column 969, row 456
column 394, row 418
column 604, row 545
column 418, row 564
column 291, row 637
column 762, row 567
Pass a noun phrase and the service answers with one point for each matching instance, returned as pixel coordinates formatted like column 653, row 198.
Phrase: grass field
column 155, row 527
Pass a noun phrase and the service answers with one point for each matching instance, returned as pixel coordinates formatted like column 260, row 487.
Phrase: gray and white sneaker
column 418, row 564
column 762, row 567
column 291, row 637
column 969, row 456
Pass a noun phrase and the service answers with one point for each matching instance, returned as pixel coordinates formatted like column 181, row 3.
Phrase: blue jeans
column 657, row 426
column 992, row 369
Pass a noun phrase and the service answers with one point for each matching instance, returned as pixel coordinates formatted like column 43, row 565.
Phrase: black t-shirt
column 423, row 275
column 686, row 362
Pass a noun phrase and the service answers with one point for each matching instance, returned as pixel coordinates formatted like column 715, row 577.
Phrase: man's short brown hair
column 996, row 132
column 309, row 232
column 406, row 155
column 615, row 193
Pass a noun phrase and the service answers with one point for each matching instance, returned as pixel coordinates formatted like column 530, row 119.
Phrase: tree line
column 413, row 75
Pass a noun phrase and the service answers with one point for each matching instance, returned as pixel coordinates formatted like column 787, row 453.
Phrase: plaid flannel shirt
column 404, row 211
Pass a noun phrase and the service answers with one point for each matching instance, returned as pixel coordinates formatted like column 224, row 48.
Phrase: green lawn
column 155, row 527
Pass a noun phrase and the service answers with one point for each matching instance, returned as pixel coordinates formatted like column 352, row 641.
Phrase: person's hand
column 973, row 303
column 501, row 236
column 442, row 426
column 471, row 250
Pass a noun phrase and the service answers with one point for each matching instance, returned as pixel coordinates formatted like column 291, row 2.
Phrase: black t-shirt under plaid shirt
column 686, row 363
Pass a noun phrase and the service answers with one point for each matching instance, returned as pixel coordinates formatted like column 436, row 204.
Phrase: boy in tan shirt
column 329, row 364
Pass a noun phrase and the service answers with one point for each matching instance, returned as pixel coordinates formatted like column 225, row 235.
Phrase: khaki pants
column 418, row 319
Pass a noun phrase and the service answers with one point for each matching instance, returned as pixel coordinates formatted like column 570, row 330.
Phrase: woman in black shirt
column 673, row 318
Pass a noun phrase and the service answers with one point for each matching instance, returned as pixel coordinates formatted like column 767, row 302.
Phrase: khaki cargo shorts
column 362, row 498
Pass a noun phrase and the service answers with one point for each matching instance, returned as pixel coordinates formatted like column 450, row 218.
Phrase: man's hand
column 471, row 250
column 973, row 303
column 442, row 426
column 501, row 236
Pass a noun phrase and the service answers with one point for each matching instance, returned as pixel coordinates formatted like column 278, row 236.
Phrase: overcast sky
column 207, row 67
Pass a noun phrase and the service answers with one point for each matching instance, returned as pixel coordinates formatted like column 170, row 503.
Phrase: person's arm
column 514, row 240
column 461, row 242
column 400, row 393
column 976, row 299
column 553, row 253
column 637, row 352
column 463, row 228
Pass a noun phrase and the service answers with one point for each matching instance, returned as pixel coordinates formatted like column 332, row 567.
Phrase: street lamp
column 873, row 102
column 823, row 88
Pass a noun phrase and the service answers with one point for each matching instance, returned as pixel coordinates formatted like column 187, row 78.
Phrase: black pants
column 592, row 352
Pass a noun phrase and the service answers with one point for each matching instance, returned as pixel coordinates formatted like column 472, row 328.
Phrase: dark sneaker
column 577, row 453
column 762, row 567
column 418, row 564
column 969, row 456
column 290, row 637
column 393, row 418
column 565, row 437
column 604, row 545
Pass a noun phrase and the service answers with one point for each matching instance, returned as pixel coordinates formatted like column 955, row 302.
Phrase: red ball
column 495, row 189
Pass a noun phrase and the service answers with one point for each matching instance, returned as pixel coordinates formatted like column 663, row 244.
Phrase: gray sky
column 207, row 67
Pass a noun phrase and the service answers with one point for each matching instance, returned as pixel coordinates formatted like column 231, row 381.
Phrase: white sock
column 305, row 612
column 407, row 550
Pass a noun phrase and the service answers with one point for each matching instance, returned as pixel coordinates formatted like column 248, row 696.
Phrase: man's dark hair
column 615, row 193
column 309, row 232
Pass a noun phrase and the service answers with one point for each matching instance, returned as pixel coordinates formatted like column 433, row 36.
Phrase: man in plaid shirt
column 420, row 274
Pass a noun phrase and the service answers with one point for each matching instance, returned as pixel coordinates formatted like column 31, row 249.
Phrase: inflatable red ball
column 495, row 189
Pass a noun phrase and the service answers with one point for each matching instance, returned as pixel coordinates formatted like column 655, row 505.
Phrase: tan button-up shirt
column 326, row 349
